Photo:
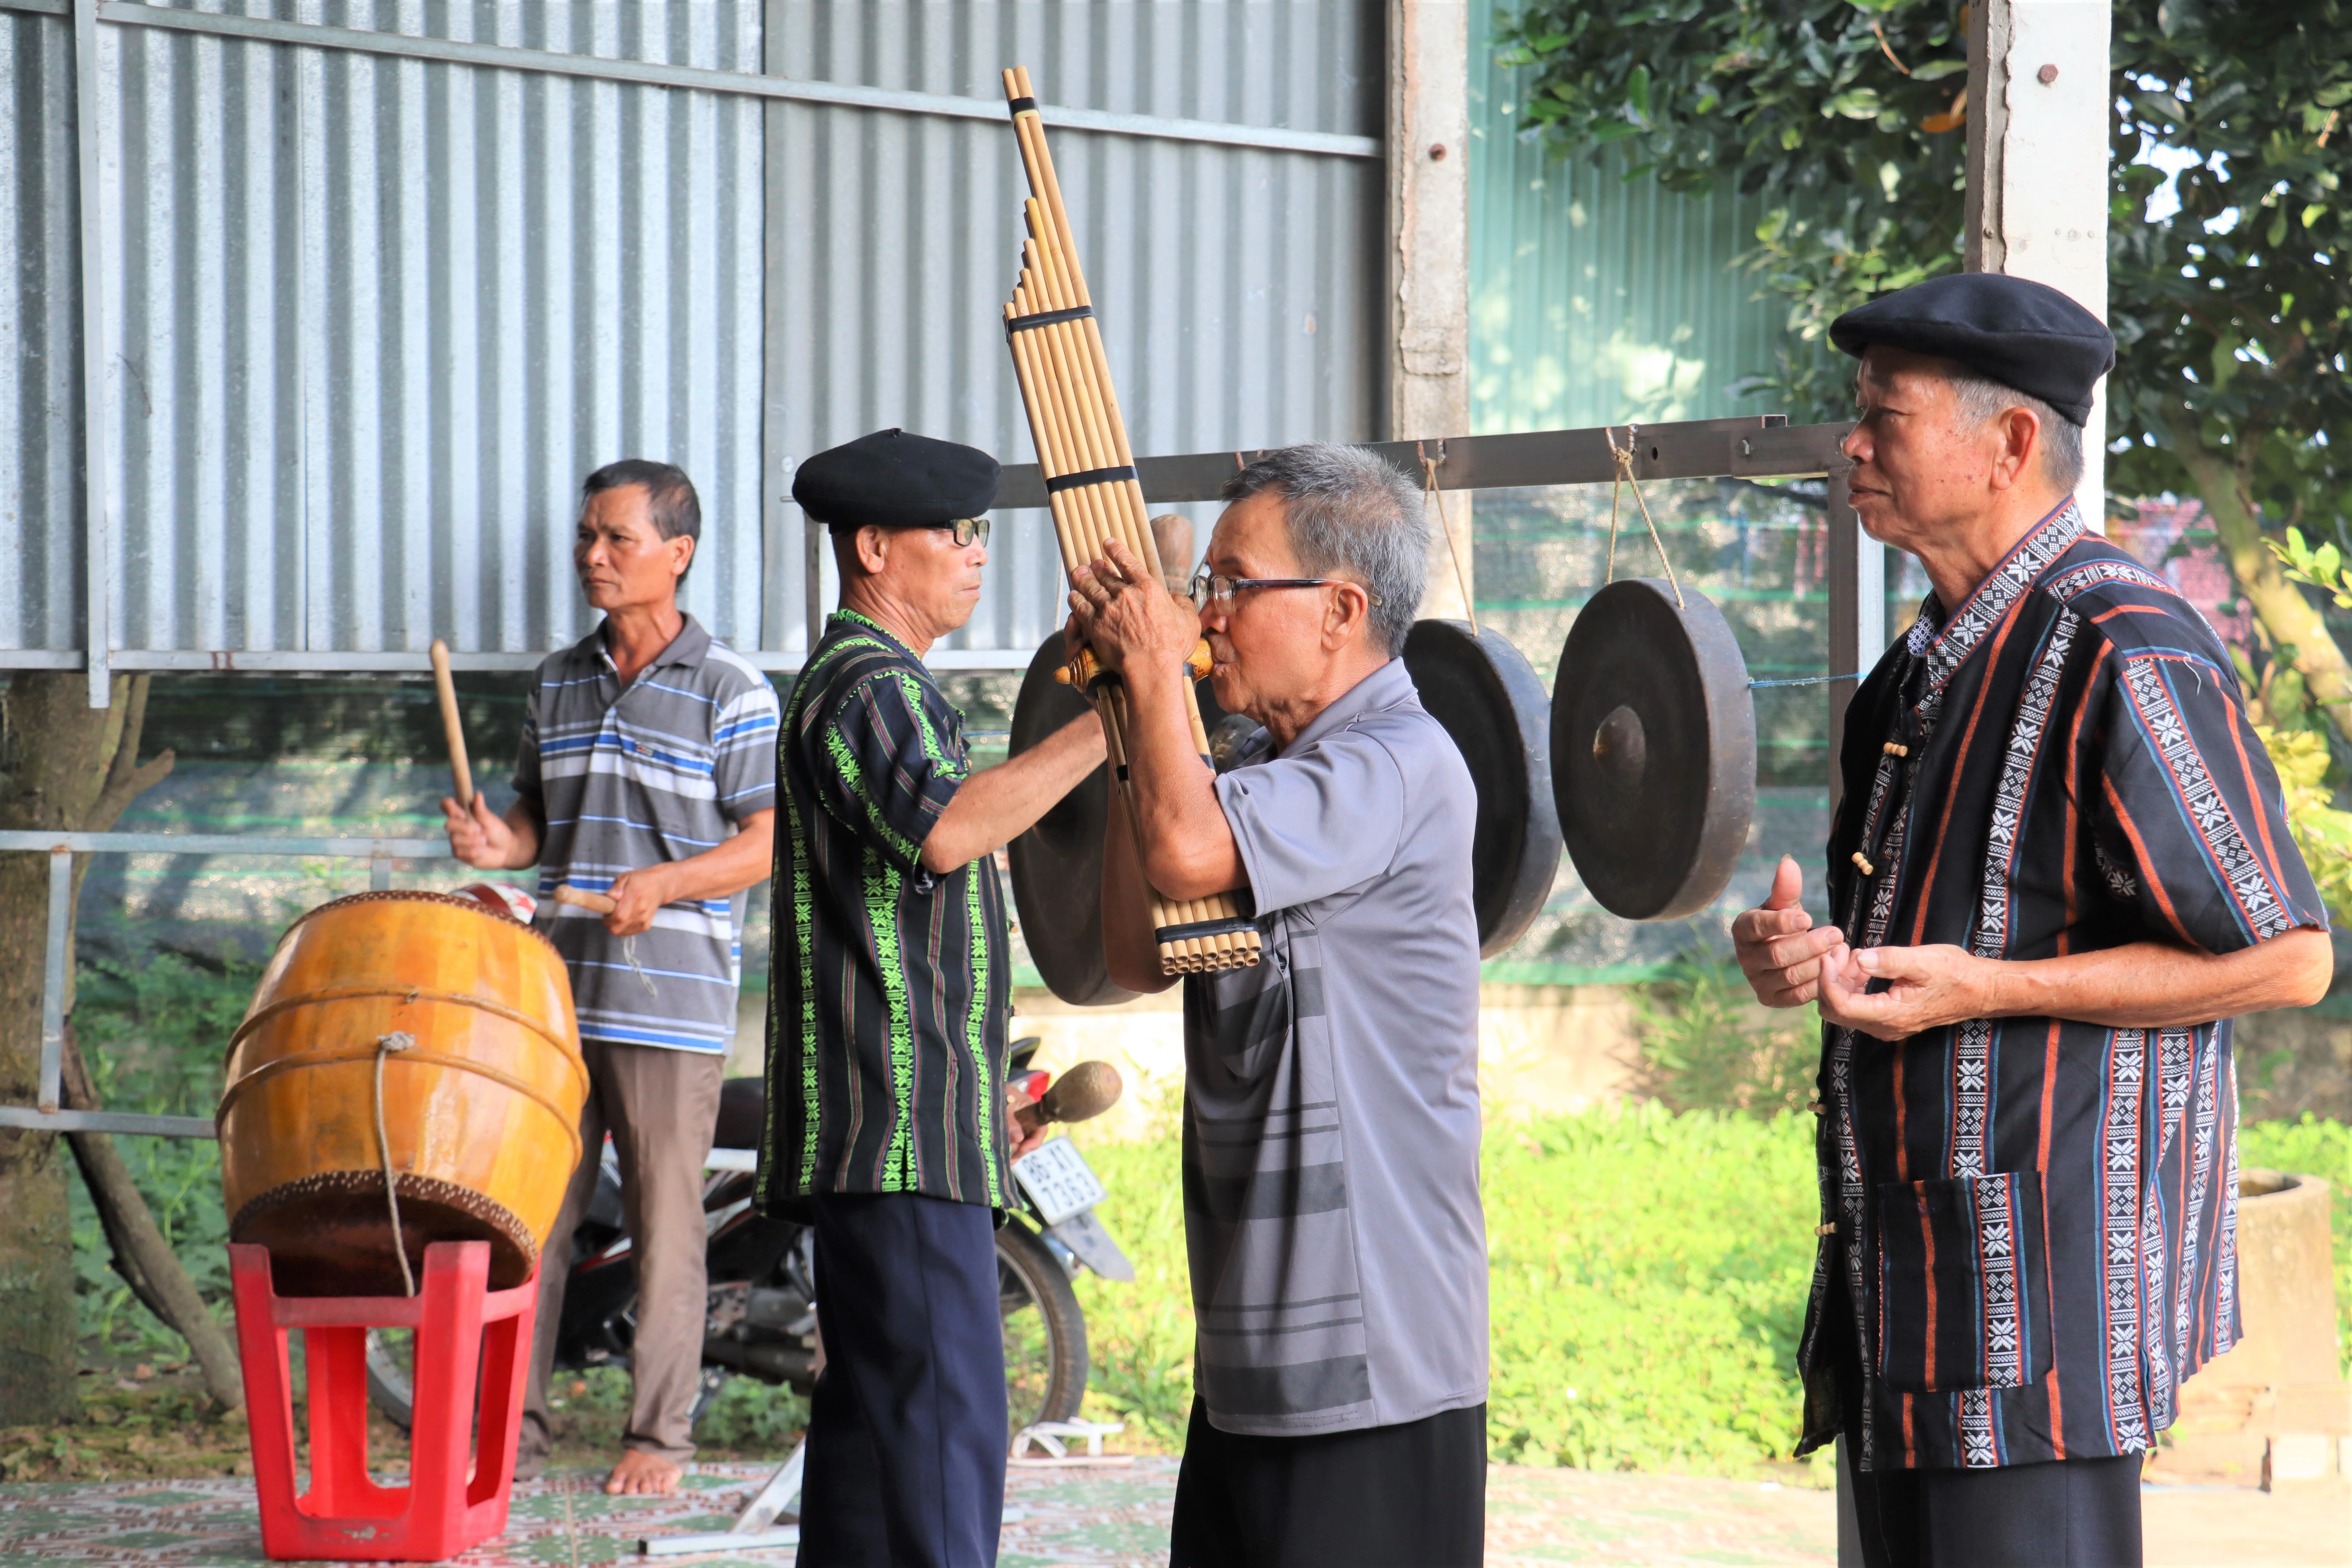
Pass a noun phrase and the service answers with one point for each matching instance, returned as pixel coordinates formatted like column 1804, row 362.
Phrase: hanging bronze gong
column 1058, row 864
column 1653, row 750
column 1492, row 702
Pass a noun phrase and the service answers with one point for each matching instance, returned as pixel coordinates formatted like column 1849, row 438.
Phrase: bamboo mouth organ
column 1092, row 490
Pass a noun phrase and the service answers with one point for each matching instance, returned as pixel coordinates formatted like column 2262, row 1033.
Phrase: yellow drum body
column 481, row 1112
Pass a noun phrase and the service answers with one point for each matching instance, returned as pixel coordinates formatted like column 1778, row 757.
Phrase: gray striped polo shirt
column 626, row 777
column 1331, row 1211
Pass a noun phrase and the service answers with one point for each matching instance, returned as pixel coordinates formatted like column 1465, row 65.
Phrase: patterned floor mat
column 1088, row 1518
column 1109, row 1516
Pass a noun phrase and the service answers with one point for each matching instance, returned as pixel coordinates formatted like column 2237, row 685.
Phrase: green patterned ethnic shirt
column 889, row 990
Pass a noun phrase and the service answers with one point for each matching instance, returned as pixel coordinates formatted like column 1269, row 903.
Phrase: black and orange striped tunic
column 2034, row 1219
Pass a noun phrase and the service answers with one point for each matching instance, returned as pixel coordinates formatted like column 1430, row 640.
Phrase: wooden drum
column 481, row 1093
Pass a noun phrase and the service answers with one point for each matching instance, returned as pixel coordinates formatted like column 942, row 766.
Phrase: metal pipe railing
column 48, row 1113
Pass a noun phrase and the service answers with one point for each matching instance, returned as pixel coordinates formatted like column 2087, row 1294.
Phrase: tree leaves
column 2232, row 317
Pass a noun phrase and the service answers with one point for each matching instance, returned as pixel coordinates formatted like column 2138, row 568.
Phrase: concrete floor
column 1119, row 1516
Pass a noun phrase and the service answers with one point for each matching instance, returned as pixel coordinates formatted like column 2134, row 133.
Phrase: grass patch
column 1647, row 1279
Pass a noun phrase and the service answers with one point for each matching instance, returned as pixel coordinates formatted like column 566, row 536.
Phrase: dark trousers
column 1409, row 1496
column 907, row 1428
column 2073, row 1513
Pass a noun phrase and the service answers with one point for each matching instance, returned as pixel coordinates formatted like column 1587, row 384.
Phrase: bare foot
column 642, row 1475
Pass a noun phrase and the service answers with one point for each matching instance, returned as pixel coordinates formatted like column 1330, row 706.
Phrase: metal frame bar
column 46, row 1115
column 98, row 557
column 646, row 73
column 1758, row 446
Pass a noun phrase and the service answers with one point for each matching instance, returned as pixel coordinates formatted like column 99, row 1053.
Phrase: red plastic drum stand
column 457, row 1483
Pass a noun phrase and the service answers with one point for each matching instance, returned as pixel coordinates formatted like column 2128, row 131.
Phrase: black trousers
column 907, row 1427
column 1408, row 1496
column 2073, row 1513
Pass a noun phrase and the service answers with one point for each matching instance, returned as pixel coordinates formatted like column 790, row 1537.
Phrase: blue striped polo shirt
column 624, row 777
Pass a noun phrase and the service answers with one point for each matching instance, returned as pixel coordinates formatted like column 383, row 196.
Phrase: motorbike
column 762, row 1320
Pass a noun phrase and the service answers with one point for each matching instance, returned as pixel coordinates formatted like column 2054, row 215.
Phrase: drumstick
column 580, row 897
column 449, row 722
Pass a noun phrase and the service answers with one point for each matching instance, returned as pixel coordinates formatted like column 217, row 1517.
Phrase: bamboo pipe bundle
column 1091, row 487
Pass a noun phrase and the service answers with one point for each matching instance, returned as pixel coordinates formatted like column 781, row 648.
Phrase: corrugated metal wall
column 370, row 319
column 1593, row 301
column 1237, row 287
column 40, row 339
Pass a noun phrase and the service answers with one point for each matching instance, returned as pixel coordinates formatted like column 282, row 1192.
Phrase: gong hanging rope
column 1623, row 457
column 1091, row 490
column 1431, row 493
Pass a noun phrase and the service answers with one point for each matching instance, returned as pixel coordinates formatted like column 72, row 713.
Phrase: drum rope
column 1446, row 524
column 629, row 952
column 1624, row 461
column 398, row 1040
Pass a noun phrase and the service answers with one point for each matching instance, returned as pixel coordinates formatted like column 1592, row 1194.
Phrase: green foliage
column 154, row 1034
column 1798, row 98
column 1648, row 1274
column 748, row 1417
column 1707, row 1046
column 2231, row 316
column 2323, row 1149
column 2322, row 568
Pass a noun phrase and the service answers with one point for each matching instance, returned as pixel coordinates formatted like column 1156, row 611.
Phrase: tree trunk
column 61, row 757
column 2291, row 619
column 142, row 1254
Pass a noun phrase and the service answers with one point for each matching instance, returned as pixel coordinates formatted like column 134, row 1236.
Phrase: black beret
column 2025, row 335
column 896, row 480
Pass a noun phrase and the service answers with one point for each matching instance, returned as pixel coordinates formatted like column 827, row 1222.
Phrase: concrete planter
column 2274, row 1409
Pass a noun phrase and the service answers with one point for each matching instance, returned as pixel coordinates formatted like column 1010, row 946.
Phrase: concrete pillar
column 1429, row 256
column 2038, row 105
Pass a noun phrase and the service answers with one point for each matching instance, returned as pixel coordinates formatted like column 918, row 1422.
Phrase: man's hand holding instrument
column 1091, row 488
column 631, row 905
column 478, row 836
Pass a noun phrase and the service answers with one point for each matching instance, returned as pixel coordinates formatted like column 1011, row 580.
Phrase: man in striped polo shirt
column 647, row 772
column 888, row 999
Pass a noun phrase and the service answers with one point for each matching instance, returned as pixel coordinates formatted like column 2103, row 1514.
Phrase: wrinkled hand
column 1025, row 1140
column 1779, row 950
column 1927, row 988
column 639, row 894
column 1128, row 616
column 479, row 837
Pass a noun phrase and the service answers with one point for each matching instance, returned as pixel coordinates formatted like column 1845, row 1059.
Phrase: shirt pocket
column 1962, row 1275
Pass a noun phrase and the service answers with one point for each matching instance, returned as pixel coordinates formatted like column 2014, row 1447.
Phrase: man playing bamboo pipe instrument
column 2061, row 865
column 1331, row 1092
column 646, row 773
column 889, row 1120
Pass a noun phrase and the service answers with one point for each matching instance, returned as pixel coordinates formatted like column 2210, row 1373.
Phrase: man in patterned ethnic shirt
column 888, row 997
column 2060, row 867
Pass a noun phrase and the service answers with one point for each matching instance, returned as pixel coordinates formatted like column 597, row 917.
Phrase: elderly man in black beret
column 2061, row 866
column 888, row 995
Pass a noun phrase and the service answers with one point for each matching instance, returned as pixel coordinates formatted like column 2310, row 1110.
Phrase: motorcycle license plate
column 1059, row 1181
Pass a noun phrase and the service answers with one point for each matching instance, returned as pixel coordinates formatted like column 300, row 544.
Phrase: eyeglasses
column 1212, row 588
column 966, row 530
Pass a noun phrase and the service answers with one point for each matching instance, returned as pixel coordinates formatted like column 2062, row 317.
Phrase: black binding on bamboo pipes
column 1091, row 485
